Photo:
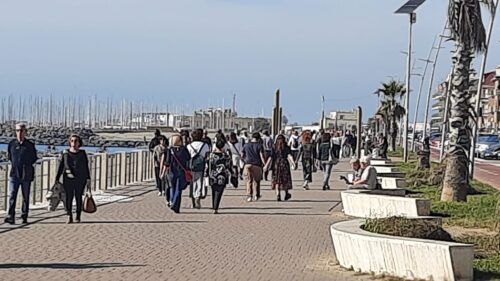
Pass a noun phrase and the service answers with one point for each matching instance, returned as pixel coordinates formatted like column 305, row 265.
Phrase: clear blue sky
column 196, row 53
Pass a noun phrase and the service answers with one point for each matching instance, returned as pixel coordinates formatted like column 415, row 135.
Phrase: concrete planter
column 402, row 257
column 380, row 204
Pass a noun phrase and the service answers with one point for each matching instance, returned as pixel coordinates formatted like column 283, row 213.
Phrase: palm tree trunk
column 456, row 180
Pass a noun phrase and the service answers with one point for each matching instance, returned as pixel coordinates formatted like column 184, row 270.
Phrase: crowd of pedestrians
column 193, row 160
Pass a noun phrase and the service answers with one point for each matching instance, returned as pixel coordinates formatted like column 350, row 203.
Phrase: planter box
column 380, row 204
column 408, row 258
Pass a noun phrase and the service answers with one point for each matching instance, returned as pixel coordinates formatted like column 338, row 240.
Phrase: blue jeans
column 13, row 190
column 327, row 171
column 178, row 184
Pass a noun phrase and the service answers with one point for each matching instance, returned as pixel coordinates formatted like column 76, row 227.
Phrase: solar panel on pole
column 409, row 7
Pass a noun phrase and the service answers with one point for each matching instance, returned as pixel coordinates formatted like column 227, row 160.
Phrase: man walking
column 267, row 142
column 22, row 156
column 294, row 144
column 253, row 156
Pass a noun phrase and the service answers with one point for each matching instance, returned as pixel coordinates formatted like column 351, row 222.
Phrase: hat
column 365, row 159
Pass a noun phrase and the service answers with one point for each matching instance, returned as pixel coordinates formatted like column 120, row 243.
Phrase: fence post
column 123, row 168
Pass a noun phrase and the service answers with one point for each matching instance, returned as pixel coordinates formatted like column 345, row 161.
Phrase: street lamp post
column 427, row 61
column 409, row 9
column 479, row 90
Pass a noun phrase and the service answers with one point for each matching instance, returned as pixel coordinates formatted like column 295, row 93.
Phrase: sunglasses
column 19, row 130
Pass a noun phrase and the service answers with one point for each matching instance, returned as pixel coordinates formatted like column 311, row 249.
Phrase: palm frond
column 465, row 23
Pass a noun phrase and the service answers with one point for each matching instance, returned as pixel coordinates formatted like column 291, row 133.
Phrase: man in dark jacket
column 22, row 156
column 155, row 141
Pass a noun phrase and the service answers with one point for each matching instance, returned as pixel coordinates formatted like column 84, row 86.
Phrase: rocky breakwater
column 60, row 135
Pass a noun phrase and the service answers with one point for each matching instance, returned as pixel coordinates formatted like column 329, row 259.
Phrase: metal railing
column 106, row 171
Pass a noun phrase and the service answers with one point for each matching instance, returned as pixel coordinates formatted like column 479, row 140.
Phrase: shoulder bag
column 187, row 173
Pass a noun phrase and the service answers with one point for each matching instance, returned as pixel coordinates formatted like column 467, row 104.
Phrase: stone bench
column 407, row 258
column 382, row 204
column 386, row 169
column 392, row 182
column 381, row 162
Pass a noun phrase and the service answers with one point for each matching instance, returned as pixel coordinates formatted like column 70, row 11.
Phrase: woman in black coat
column 74, row 167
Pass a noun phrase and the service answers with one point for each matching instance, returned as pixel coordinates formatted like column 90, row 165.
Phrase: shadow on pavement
column 66, row 265
column 223, row 212
column 127, row 222
column 266, row 208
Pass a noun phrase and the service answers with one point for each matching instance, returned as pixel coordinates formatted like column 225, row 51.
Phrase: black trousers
column 336, row 151
column 74, row 189
column 157, row 178
column 217, row 191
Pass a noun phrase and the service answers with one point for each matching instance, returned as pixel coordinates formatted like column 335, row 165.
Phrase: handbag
column 187, row 173
column 89, row 205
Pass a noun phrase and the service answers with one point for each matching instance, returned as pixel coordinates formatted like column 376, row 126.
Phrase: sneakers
column 197, row 203
column 249, row 198
column 9, row 221
column 160, row 193
column 256, row 197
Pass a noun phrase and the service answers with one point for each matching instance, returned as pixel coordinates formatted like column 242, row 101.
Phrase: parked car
column 487, row 146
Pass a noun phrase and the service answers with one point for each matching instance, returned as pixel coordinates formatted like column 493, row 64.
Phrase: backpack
column 197, row 163
column 295, row 143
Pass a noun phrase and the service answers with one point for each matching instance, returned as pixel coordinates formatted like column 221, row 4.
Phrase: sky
column 197, row 53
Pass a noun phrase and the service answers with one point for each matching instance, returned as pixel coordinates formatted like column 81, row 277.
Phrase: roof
column 489, row 79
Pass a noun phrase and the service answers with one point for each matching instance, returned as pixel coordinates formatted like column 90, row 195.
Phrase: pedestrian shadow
column 127, row 222
column 266, row 208
column 223, row 212
column 66, row 265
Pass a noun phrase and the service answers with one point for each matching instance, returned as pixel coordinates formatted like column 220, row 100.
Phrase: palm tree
column 390, row 109
column 467, row 30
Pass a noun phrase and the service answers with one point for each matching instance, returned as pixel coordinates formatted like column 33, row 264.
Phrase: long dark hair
column 233, row 138
column 280, row 143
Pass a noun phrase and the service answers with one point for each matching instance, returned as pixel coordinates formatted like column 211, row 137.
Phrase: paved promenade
column 140, row 239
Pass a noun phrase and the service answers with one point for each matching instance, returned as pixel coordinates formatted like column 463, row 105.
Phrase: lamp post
column 427, row 61
column 409, row 9
column 479, row 90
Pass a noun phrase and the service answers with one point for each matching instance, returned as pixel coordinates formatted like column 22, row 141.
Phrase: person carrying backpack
column 198, row 151
column 219, row 172
column 327, row 159
column 294, row 145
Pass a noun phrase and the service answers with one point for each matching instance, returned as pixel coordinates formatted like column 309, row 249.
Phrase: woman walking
column 220, row 170
column 326, row 156
column 74, row 167
column 279, row 162
column 235, row 147
column 307, row 153
column 176, row 163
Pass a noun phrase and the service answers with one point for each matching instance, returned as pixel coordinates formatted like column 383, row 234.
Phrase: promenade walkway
column 140, row 239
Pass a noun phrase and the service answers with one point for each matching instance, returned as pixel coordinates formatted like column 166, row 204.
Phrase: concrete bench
column 407, row 258
column 381, row 162
column 382, row 204
column 386, row 169
column 392, row 183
